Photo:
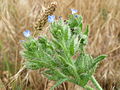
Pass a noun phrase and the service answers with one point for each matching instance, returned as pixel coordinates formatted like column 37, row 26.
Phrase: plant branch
column 96, row 83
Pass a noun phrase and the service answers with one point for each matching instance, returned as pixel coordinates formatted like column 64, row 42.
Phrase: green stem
column 96, row 83
column 88, row 87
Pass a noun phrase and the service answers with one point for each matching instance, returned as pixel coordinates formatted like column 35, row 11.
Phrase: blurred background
column 103, row 17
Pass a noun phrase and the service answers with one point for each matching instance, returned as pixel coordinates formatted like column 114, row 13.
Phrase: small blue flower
column 76, row 16
column 74, row 11
column 51, row 18
column 27, row 33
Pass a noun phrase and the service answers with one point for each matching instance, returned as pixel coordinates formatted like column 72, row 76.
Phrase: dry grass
column 103, row 17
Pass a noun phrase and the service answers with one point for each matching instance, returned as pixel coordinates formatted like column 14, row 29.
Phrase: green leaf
column 62, row 59
column 87, row 30
column 84, row 79
column 98, row 59
column 32, row 65
column 71, row 47
column 88, row 87
column 74, row 21
column 58, row 83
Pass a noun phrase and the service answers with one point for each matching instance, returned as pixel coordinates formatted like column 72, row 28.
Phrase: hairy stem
column 96, row 83
column 88, row 87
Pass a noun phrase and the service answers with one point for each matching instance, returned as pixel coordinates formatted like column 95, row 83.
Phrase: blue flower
column 51, row 18
column 74, row 11
column 27, row 33
column 76, row 16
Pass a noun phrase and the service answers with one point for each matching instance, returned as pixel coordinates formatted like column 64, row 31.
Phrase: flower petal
column 74, row 11
column 27, row 33
column 51, row 18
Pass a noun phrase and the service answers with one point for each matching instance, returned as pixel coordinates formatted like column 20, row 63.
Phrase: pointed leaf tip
column 87, row 30
column 58, row 83
column 99, row 58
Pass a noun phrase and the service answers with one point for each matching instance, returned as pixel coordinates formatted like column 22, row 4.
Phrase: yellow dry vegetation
column 103, row 16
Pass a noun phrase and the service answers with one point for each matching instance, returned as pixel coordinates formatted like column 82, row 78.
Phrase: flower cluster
column 51, row 18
